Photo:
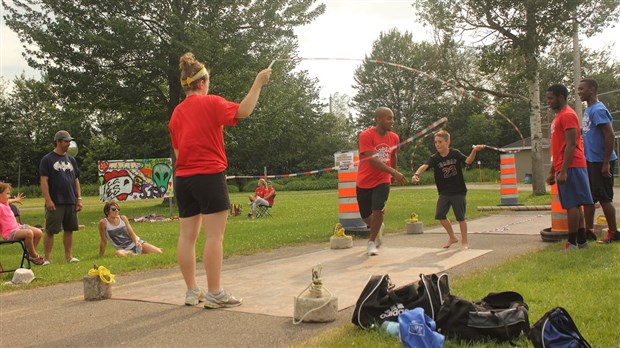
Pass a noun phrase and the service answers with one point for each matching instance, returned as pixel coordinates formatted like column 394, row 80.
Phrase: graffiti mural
column 124, row 180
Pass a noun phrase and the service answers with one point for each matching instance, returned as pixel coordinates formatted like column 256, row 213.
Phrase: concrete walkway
column 58, row 316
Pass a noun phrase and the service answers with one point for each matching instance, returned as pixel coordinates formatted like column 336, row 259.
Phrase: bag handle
column 502, row 299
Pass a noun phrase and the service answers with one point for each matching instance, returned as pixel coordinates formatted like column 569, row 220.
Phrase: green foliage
column 119, row 82
column 514, row 37
column 233, row 188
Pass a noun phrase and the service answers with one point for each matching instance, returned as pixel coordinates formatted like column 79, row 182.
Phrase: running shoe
column 569, row 247
column 194, row 296
column 222, row 300
column 372, row 249
column 612, row 237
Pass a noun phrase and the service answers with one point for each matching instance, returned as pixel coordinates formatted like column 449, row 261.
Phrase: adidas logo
column 394, row 311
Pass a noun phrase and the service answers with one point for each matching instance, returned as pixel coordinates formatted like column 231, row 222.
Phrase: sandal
column 36, row 260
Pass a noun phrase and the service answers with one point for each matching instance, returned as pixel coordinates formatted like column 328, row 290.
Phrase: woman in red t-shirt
column 257, row 198
column 197, row 134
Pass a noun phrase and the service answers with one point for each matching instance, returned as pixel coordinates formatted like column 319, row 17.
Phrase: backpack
column 556, row 329
column 381, row 301
column 500, row 316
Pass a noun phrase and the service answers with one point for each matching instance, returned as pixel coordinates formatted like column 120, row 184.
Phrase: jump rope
column 418, row 136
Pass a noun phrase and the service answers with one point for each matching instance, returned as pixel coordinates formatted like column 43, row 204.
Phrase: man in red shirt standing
column 377, row 147
column 568, row 167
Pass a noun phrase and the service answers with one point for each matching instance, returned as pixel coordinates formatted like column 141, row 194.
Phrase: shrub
column 233, row 188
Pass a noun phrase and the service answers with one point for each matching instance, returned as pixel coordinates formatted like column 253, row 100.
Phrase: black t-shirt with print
column 448, row 172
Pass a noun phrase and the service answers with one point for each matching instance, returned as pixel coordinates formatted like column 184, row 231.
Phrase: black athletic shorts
column 458, row 204
column 202, row 194
column 372, row 199
column 601, row 187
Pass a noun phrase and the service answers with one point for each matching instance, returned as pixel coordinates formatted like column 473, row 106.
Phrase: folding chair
column 20, row 241
column 262, row 210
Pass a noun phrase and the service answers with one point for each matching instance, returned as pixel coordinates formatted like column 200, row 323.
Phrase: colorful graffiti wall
column 124, row 180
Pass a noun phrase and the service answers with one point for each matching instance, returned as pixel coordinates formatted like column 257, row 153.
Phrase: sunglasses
column 115, row 209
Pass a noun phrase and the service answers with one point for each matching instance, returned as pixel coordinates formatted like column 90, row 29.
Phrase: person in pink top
column 197, row 133
column 11, row 229
column 377, row 147
column 568, row 167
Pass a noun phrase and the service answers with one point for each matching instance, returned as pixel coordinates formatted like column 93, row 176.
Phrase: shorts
column 458, row 204
column 202, row 194
column 372, row 199
column 576, row 191
column 12, row 233
column 601, row 187
column 64, row 218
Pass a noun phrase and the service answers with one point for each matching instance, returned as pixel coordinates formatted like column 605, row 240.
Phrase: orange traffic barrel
column 509, row 193
column 559, row 219
column 347, row 163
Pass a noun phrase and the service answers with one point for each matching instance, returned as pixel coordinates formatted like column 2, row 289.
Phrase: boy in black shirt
column 447, row 165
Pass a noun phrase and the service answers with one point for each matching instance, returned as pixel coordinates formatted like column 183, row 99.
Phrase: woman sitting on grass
column 11, row 229
column 116, row 228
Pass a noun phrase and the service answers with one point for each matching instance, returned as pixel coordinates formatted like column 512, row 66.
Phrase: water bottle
column 138, row 248
column 391, row 328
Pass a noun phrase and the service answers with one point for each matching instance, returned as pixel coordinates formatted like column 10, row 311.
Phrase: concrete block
column 95, row 289
column 415, row 227
column 341, row 242
column 316, row 310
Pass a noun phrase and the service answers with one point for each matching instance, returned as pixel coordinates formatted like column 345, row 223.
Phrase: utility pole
column 577, row 67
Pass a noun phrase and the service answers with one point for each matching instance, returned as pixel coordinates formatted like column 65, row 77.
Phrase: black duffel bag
column 381, row 301
column 500, row 316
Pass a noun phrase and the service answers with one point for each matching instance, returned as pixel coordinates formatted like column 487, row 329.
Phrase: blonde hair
column 443, row 134
column 190, row 67
column 4, row 186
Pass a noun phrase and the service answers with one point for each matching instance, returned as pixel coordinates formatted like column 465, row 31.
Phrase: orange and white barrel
column 559, row 219
column 348, row 210
column 509, row 193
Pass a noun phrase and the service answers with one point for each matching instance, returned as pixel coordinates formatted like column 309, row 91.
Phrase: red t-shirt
column 566, row 119
column 270, row 199
column 260, row 192
column 197, row 132
column 371, row 141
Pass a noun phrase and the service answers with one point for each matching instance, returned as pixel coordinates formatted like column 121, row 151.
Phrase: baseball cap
column 62, row 135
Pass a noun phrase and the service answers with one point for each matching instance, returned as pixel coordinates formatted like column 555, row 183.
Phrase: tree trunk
column 538, row 166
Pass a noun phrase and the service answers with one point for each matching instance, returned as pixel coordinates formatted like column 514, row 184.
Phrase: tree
column 30, row 116
column 416, row 99
column 514, row 35
column 117, row 61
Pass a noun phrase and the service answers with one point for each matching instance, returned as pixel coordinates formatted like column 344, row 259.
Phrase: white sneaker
column 73, row 260
column 372, row 249
column 194, row 296
column 379, row 239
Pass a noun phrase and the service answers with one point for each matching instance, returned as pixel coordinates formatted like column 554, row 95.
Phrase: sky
column 347, row 29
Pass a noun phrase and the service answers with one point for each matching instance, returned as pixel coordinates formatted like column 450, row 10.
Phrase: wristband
column 79, row 198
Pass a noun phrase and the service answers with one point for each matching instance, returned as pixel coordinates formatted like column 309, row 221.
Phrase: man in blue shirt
column 598, row 137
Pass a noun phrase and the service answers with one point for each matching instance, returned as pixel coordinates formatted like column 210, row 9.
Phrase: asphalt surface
column 58, row 316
